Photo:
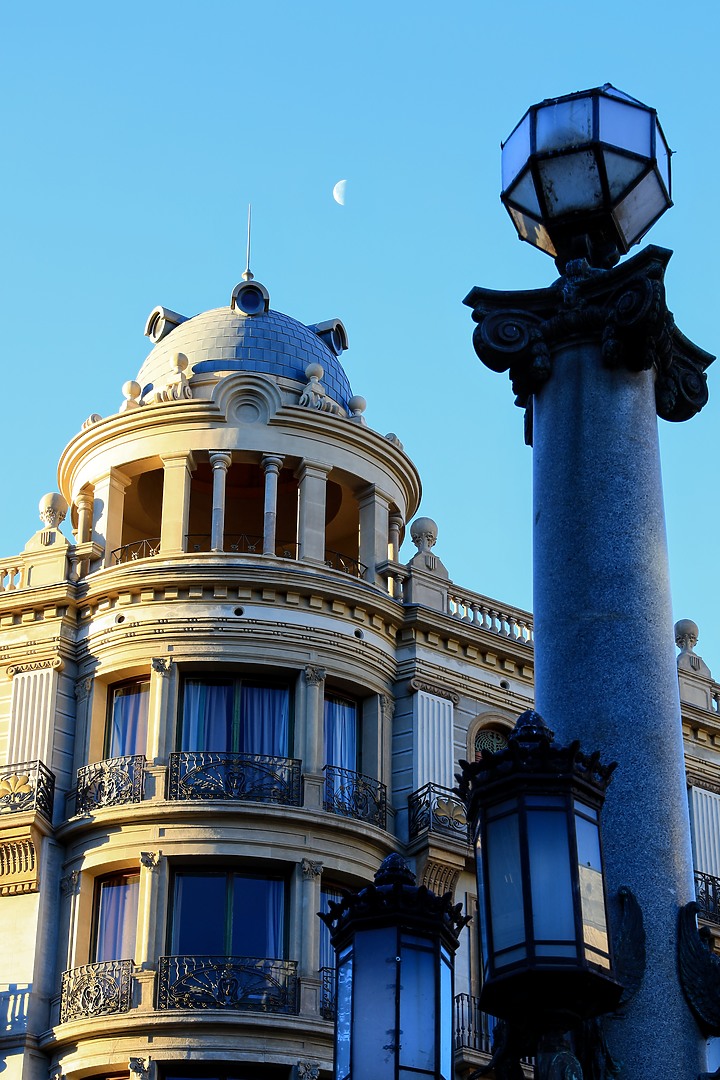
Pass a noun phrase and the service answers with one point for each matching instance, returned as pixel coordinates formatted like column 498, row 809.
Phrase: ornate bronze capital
column 624, row 308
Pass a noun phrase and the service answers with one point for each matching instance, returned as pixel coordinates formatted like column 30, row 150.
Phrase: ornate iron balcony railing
column 207, row 774
column 351, row 794
column 707, row 893
column 337, row 561
column 227, row 982
column 436, row 809
column 96, row 990
column 109, row 783
column 27, row 785
column 327, row 993
column 139, row 549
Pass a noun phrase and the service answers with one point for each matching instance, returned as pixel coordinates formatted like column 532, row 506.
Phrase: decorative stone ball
column 686, row 631
column 179, row 361
column 357, row 405
column 424, row 532
column 131, row 389
column 314, row 371
column 52, row 508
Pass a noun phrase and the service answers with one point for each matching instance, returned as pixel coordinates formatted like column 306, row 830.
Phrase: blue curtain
column 128, row 720
column 116, row 918
column 341, row 733
column 265, row 716
column 207, row 716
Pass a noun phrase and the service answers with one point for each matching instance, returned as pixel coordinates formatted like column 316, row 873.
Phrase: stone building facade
column 227, row 700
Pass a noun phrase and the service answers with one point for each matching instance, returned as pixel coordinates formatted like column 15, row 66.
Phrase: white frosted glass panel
column 568, row 123
column 416, row 1010
column 621, row 172
column 524, row 194
column 515, row 151
column 571, row 183
column 374, row 987
column 505, row 883
column 640, row 208
column 624, row 125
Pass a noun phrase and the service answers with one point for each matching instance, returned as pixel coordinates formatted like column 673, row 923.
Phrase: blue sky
column 136, row 134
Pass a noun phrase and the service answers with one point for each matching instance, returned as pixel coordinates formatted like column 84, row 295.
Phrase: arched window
column 489, row 739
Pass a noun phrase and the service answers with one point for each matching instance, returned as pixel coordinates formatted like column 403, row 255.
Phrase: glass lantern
column 586, row 175
column 395, row 944
column 534, row 810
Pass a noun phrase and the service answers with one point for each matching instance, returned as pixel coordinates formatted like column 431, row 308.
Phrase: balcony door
column 126, row 728
column 115, row 917
column 216, row 913
column 341, row 736
column 235, row 716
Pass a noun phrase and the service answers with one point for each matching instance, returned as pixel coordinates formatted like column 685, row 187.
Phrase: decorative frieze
column 421, row 685
column 55, row 664
column 18, row 863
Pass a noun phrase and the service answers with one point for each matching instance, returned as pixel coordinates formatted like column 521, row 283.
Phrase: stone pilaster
column 271, row 468
column 108, row 504
column 313, row 727
column 177, row 477
column 220, row 462
column 374, row 510
column 312, row 478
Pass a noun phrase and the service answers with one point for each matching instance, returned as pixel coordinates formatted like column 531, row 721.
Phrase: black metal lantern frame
column 586, row 175
column 395, row 943
column 534, row 808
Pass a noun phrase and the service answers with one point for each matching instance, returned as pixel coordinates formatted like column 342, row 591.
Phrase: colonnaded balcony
column 26, row 786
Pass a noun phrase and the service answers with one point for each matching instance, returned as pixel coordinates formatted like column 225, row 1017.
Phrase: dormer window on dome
column 250, row 297
column 333, row 333
column 161, row 321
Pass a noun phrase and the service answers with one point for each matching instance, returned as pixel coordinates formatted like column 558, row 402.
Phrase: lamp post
column 593, row 359
column 395, row 945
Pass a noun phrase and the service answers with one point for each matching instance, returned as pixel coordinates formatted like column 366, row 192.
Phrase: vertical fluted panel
column 705, row 817
column 31, row 724
column 433, row 740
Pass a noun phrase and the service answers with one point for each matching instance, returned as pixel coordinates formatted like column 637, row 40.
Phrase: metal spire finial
column 247, row 273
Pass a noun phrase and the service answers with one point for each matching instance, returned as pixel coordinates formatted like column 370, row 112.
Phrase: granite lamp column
column 593, row 360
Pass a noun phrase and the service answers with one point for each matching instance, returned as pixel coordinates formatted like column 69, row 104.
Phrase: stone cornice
column 476, row 641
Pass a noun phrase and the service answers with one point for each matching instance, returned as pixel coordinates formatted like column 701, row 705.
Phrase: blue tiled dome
column 228, row 340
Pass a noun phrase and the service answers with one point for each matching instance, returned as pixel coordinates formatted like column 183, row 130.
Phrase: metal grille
column 438, row 810
column 487, row 739
column 227, row 982
column 196, row 774
column 139, row 549
column 110, row 783
column 327, row 993
column 96, row 990
column 27, row 785
column 353, row 795
column 707, row 892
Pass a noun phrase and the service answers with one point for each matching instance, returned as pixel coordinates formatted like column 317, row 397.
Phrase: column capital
column 84, row 501
column 220, row 459
column 314, row 676
column 624, row 310
column 312, row 468
column 179, row 459
column 272, row 462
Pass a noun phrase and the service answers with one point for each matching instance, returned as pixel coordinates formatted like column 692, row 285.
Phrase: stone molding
column 695, row 780
column 56, row 663
column 19, row 863
column 624, row 309
column 416, row 685
column 439, row 877
column 387, row 704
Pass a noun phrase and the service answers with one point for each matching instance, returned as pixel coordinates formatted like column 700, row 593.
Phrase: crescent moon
column 339, row 192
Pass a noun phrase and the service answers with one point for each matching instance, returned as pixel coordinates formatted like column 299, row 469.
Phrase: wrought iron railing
column 351, row 794
column 473, row 1028
column 109, row 783
column 337, row 561
column 707, row 893
column 27, row 785
column 138, row 549
column 96, row 990
column 436, row 809
column 227, row 982
column 207, row 774
column 327, row 992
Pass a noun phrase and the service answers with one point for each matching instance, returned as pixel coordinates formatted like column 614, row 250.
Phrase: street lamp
column 534, row 810
column 586, row 175
column 395, row 945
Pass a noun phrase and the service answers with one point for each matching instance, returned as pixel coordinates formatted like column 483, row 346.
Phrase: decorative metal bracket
column 629, row 945
column 625, row 308
column 699, row 970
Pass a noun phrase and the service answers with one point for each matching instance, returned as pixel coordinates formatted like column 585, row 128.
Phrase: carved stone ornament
column 699, row 970
column 308, row 1070
column 311, row 869
column 55, row 1073
column 624, row 308
column 56, row 663
column 150, row 859
column 140, row 1066
column 387, row 704
column 70, row 884
column 177, row 387
column 83, row 688
column 161, row 664
column 314, row 676
column 415, row 685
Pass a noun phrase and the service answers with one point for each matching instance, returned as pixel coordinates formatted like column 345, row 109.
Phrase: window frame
column 98, row 883
column 137, row 680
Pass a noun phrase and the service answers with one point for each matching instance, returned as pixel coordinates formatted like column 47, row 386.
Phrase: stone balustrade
column 487, row 614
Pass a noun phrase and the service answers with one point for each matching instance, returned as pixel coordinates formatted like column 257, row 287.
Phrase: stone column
column 395, row 528
column 84, row 503
column 271, row 467
column 312, row 478
column 308, row 879
column 599, row 354
column 108, row 502
column 311, row 749
column 374, row 531
column 220, row 461
column 177, row 477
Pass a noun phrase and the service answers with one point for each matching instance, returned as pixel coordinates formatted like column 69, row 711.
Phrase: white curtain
column 117, row 905
column 341, row 734
column 128, row 720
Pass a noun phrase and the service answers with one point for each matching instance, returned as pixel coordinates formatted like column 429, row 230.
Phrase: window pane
column 264, row 720
column 258, row 917
column 374, row 990
column 592, row 899
column 417, row 1013
column 344, row 1017
column 207, row 716
column 127, row 722
column 327, row 953
column 199, row 914
column 341, row 733
column 550, row 880
column 116, row 918
column 505, row 883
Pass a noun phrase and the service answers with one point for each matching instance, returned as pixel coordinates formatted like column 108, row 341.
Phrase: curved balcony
column 96, row 990
column 196, row 775
column 436, row 809
column 27, row 785
column 112, row 782
column 139, row 549
column 242, row 983
column 353, row 795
